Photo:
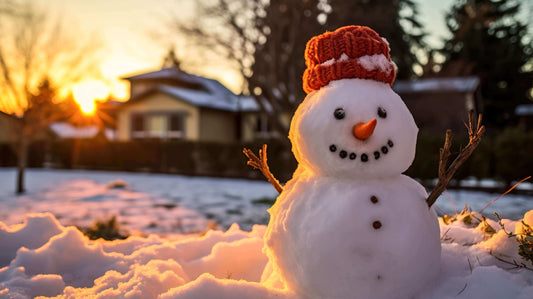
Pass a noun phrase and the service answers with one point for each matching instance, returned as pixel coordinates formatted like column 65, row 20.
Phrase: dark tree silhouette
column 489, row 40
column 266, row 41
column 36, row 55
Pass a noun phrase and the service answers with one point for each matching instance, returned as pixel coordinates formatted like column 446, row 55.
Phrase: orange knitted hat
column 348, row 52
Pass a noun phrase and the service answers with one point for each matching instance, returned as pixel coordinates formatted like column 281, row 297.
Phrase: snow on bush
column 40, row 257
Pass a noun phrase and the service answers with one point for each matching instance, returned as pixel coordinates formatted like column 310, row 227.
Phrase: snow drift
column 40, row 257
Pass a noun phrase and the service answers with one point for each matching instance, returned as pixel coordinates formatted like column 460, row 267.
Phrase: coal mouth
column 363, row 157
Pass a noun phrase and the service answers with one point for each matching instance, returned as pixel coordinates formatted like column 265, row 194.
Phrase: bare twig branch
column 261, row 164
column 445, row 153
column 514, row 263
column 510, row 189
column 446, row 173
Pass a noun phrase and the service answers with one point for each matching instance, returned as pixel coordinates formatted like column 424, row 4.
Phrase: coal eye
column 339, row 113
column 382, row 112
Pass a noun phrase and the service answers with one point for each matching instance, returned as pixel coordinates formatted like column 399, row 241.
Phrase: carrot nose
column 363, row 131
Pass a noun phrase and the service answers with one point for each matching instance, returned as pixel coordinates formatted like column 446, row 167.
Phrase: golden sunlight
column 86, row 92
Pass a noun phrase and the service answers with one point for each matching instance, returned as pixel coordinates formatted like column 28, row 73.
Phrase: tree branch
column 261, row 164
column 446, row 173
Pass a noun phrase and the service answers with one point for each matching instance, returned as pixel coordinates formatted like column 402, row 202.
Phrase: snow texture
column 524, row 110
column 143, row 203
column 314, row 129
column 332, row 61
column 65, row 264
column 369, row 62
column 454, row 84
column 376, row 61
column 337, row 217
column 227, row 264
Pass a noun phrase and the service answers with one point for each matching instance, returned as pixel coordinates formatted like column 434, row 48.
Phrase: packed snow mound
column 323, row 140
column 40, row 257
column 348, row 202
column 384, row 248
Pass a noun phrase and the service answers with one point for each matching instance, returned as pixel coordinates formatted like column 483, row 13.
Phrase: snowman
column 349, row 224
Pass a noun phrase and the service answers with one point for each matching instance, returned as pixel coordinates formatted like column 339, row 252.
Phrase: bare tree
column 265, row 41
column 37, row 55
column 7, row 7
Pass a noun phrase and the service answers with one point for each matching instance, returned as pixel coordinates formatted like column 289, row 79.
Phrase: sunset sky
column 126, row 28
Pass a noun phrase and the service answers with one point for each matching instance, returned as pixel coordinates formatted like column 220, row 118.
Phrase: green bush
column 105, row 229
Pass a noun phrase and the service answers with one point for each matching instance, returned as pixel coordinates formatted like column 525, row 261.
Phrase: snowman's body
column 349, row 224
column 378, row 240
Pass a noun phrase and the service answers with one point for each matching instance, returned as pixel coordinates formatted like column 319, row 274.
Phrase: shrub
column 512, row 155
column 105, row 229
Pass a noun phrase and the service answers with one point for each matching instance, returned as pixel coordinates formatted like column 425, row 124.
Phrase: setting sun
column 86, row 92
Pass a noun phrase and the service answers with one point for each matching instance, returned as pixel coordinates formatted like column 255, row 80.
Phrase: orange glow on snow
column 86, row 92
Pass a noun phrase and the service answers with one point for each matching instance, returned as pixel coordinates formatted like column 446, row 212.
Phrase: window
column 158, row 125
column 175, row 122
column 137, row 126
column 262, row 126
column 175, row 126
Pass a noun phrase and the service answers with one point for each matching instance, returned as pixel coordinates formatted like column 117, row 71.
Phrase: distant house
column 438, row 104
column 65, row 130
column 172, row 104
column 525, row 115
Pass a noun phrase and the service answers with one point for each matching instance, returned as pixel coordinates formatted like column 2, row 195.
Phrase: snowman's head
column 354, row 128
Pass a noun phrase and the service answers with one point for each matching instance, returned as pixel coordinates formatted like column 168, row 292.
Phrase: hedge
column 506, row 157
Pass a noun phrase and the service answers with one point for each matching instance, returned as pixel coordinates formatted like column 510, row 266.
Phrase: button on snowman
column 349, row 224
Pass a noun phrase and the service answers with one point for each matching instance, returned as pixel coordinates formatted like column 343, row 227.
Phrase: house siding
column 249, row 126
column 217, row 126
column 436, row 112
column 157, row 103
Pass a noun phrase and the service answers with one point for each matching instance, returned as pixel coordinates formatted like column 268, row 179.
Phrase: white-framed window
column 262, row 126
column 163, row 125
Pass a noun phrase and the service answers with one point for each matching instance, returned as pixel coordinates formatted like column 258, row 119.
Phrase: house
column 65, row 130
column 172, row 104
column 525, row 115
column 438, row 104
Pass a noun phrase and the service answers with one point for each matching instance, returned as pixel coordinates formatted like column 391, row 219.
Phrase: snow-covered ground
column 45, row 257
column 159, row 203
column 151, row 203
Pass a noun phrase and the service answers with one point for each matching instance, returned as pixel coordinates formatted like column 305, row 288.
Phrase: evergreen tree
column 489, row 41
column 278, row 63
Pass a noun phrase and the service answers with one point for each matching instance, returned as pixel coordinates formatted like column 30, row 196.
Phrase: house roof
column 213, row 95
column 524, row 110
column 66, row 130
column 453, row 84
column 172, row 73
